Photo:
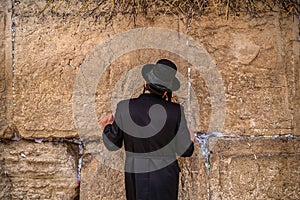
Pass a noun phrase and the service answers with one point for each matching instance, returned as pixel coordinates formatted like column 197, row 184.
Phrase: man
column 154, row 132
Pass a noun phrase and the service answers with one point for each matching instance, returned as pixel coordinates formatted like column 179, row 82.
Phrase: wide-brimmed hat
column 162, row 74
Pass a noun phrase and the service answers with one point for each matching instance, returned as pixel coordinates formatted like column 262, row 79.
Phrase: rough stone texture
column 100, row 181
column 3, row 89
column 193, row 177
column 295, row 75
column 38, row 171
column 252, row 66
column 258, row 59
column 255, row 169
column 253, row 71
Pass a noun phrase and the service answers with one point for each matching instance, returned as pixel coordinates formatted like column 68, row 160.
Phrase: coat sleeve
column 113, row 135
column 184, row 145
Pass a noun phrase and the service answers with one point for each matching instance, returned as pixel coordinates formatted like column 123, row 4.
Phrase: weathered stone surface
column 245, row 50
column 193, row 177
column 50, row 51
column 255, row 169
column 294, row 74
column 3, row 85
column 38, row 171
column 99, row 181
column 53, row 113
column 257, row 58
column 252, row 73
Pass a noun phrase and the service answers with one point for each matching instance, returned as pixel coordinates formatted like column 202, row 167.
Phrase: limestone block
column 193, row 177
column 38, row 171
column 253, row 72
column 255, row 169
column 49, row 52
column 252, row 102
column 99, row 181
column 39, row 113
column 254, row 112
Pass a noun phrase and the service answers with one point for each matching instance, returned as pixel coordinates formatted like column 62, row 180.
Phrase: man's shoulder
column 141, row 100
column 125, row 102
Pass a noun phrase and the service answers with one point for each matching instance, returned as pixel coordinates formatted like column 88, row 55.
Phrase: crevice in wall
column 6, row 184
column 13, row 38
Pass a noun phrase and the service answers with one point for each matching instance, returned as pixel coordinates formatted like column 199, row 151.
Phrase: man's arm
column 112, row 134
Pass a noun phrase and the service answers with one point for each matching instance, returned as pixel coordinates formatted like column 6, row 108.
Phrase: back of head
column 156, row 89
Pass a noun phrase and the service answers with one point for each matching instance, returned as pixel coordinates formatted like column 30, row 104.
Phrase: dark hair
column 159, row 90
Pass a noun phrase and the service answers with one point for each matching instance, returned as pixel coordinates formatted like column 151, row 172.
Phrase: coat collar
column 150, row 95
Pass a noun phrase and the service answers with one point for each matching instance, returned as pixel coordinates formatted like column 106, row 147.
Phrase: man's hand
column 109, row 119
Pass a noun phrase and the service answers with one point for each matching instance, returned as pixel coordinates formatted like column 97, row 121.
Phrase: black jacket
column 154, row 133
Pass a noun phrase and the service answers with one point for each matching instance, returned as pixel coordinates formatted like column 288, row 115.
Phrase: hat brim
column 146, row 72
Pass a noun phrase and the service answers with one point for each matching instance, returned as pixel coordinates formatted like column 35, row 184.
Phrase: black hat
column 161, row 74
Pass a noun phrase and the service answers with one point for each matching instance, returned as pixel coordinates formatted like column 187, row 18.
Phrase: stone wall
column 257, row 60
column 38, row 171
column 3, row 85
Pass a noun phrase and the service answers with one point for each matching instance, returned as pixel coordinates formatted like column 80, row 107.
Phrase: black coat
column 151, row 168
